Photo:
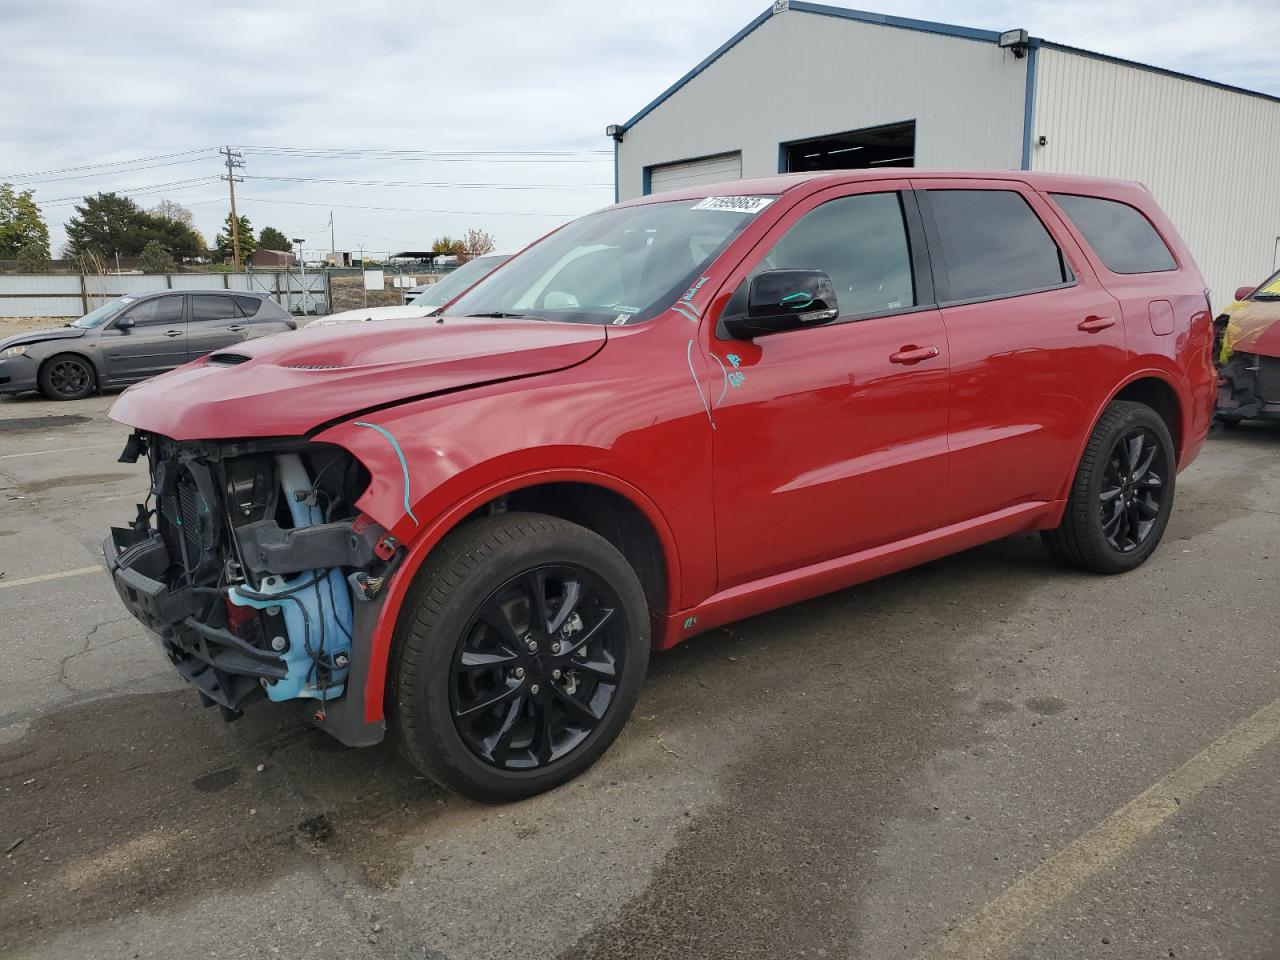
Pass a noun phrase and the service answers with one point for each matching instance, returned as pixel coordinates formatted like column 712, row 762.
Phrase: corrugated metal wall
column 1210, row 156
column 61, row 295
column 802, row 75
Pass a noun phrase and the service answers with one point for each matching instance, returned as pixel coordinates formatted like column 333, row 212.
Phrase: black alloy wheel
column 1133, row 485
column 537, row 666
column 67, row 378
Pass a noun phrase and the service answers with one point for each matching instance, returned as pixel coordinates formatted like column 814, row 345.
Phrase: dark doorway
column 893, row 145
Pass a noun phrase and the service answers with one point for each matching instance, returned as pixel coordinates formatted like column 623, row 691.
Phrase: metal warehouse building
column 807, row 86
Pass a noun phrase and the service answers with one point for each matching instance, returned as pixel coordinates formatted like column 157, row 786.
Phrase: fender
column 435, row 530
column 1163, row 370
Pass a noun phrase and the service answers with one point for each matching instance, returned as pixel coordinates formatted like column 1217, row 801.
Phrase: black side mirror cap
column 779, row 300
column 124, row 323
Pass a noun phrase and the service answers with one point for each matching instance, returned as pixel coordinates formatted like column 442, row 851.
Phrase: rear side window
column 994, row 245
column 212, row 307
column 248, row 305
column 1122, row 237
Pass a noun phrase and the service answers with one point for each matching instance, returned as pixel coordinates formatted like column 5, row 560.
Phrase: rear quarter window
column 1121, row 236
column 248, row 305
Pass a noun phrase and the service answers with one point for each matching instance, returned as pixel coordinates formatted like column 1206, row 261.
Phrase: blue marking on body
column 404, row 467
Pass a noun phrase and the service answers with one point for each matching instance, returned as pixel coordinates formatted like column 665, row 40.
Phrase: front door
column 832, row 439
column 155, row 341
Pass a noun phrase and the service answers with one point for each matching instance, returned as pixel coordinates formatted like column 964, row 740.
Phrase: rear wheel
column 1122, row 495
column 67, row 377
column 519, row 657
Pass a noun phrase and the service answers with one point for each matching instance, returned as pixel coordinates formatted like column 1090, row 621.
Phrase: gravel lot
column 982, row 757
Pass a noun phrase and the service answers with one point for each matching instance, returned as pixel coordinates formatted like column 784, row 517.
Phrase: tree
column 155, row 258
column 476, row 244
column 20, row 223
column 223, row 245
column 448, row 245
column 33, row 258
column 172, row 211
column 272, row 239
column 108, row 223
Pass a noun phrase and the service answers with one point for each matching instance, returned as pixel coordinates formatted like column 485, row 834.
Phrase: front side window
column 994, row 245
column 624, row 261
column 1121, row 236
column 1270, row 289
column 158, row 310
column 212, row 307
column 860, row 242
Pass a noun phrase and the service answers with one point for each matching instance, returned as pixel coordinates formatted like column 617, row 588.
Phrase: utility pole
column 333, row 247
column 234, row 161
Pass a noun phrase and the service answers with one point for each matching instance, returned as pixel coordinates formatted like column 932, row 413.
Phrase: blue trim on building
column 1160, row 70
column 615, row 171
column 782, row 157
column 905, row 23
column 1029, row 105
column 646, row 181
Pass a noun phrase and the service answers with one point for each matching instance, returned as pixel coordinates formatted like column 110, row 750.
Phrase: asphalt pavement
column 987, row 756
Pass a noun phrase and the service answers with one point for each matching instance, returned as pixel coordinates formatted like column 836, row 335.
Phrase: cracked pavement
column 850, row 777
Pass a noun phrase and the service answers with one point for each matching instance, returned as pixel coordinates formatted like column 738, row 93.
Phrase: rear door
column 216, row 322
column 1036, row 341
column 156, row 341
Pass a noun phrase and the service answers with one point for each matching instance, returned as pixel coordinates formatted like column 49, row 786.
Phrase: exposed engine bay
column 249, row 560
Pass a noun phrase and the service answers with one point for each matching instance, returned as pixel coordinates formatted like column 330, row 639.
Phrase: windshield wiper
column 499, row 315
column 1265, row 296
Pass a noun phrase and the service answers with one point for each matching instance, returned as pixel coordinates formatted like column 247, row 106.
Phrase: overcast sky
column 90, row 82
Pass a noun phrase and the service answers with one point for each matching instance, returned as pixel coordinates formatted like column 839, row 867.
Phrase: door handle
column 236, row 328
column 1094, row 324
column 910, row 355
column 173, row 333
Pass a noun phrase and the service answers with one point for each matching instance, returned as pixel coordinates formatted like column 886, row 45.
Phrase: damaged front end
column 1248, row 387
column 262, row 579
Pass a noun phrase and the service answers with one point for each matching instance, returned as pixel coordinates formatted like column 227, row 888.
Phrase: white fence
column 73, row 295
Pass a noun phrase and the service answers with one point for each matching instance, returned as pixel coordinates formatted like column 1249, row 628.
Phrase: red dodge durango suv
column 667, row 415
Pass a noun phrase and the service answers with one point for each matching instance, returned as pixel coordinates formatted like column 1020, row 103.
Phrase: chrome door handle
column 1094, row 324
column 236, row 328
column 173, row 333
column 912, row 354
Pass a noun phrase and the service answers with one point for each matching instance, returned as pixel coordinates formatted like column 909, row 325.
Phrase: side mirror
column 779, row 300
column 124, row 323
column 1242, row 292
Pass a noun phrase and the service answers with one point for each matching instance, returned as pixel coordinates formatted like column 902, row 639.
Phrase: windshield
column 621, row 264
column 96, row 318
column 1270, row 290
column 445, row 290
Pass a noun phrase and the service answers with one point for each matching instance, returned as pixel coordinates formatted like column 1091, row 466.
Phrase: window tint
column 994, row 245
column 1122, row 237
column 212, row 307
column 861, row 243
column 248, row 305
column 157, row 310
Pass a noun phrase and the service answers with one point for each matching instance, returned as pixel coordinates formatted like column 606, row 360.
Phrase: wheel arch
column 611, row 507
column 98, row 375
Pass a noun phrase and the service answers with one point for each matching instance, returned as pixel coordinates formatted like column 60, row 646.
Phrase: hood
column 288, row 385
column 373, row 313
column 37, row 336
column 1254, row 327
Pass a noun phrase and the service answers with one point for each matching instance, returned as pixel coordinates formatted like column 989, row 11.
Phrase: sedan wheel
column 67, row 377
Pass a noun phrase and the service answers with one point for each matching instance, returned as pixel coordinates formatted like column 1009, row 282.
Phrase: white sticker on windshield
column 736, row 204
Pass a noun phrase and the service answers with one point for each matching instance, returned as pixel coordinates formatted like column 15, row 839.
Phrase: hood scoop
column 228, row 359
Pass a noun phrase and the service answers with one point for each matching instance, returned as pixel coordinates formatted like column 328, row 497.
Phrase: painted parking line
column 989, row 932
column 41, row 578
column 54, row 453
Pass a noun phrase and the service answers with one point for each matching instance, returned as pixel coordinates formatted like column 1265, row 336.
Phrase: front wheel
column 67, row 377
column 520, row 654
column 1122, row 495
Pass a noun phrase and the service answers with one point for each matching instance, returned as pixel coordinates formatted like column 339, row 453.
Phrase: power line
column 100, row 173
column 174, row 185
column 428, row 154
column 466, row 213
column 443, row 183
column 109, row 163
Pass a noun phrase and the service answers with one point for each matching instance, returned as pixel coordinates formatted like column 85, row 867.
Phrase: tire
column 476, row 708
column 1116, row 511
column 1230, row 423
column 67, row 376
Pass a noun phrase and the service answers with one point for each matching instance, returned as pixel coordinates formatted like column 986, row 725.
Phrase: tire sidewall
column 46, row 377
column 449, row 757
column 1114, row 560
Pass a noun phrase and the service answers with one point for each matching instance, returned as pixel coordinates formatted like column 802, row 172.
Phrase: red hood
column 294, row 382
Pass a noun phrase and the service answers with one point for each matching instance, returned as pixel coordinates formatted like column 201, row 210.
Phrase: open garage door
column 690, row 173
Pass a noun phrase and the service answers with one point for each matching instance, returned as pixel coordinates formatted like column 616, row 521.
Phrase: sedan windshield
column 445, row 290
column 96, row 318
column 1270, row 289
column 621, row 264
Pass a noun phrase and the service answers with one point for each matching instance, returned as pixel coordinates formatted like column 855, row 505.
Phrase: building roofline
column 923, row 26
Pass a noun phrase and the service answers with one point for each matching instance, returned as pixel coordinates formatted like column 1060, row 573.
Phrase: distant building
column 272, row 258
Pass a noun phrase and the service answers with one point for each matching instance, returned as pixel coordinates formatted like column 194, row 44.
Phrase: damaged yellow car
column 1247, row 349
